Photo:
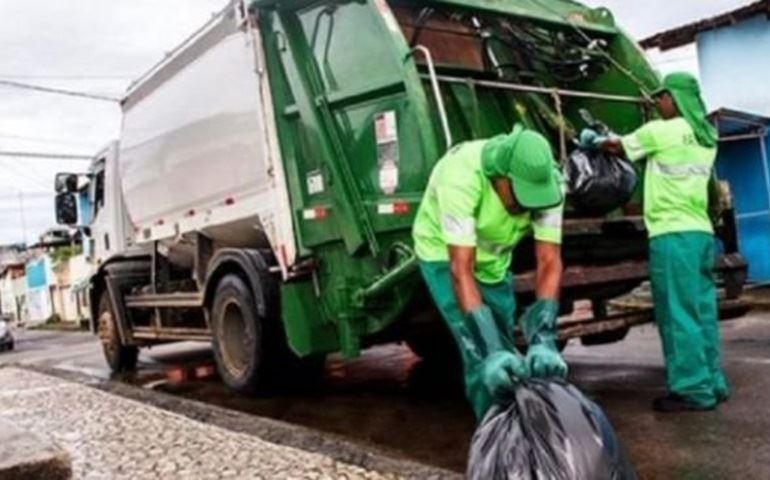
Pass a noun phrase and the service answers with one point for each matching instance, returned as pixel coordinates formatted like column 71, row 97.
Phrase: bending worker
column 483, row 197
column 680, row 150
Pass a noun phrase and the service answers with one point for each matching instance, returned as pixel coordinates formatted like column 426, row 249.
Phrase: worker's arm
column 462, row 264
column 635, row 146
column 539, row 320
column 549, row 270
column 458, row 196
column 547, row 227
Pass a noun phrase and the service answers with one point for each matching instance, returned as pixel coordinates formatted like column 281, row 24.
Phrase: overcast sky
column 99, row 46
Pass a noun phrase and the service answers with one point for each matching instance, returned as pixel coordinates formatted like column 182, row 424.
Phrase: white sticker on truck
column 386, row 135
column 315, row 182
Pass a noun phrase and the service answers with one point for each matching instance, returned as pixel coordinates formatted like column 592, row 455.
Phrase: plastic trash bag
column 597, row 182
column 549, row 431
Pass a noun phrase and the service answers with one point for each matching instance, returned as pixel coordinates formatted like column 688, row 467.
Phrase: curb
column 24, row 455
column 270, row 430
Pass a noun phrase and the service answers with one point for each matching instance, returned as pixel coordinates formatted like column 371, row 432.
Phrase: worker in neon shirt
column 483, row 197
column 680, row 150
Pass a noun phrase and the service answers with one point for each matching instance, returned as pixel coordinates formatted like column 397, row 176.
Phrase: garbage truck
column 263, row 189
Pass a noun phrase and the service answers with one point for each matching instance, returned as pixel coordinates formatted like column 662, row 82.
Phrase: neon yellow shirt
column 676, row 178
column 461, row 208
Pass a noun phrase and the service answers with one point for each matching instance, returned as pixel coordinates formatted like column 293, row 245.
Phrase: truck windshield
column 97, row 191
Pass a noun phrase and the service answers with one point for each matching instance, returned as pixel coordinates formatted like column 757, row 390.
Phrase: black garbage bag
column 598, row 182
column 549, row 431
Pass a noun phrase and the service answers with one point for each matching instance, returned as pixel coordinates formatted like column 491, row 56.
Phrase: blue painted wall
column 741, row 164
column 37, row 273
column 734, row 66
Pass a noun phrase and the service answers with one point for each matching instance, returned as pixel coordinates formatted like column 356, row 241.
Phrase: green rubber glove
column 539, row 325
column 590, row 139
column 501, row 372
column 481, row 322
column 501, row 369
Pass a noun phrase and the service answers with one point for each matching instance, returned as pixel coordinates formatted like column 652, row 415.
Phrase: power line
column 44, row 155
column 68, row 77
column 23, row 174
column 38, row 139
column 28, row 193
column 58, row 91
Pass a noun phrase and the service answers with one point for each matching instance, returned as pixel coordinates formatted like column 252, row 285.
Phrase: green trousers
column 681, row 273
column 499, row 298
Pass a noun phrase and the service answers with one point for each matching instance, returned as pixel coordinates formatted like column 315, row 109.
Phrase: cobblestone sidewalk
column 110, row 437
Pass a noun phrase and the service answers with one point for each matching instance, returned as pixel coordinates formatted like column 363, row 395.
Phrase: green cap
column 685, row 90
column 526, row 158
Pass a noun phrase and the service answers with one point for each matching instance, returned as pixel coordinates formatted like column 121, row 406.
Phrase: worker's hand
column 501, row 369
column 590, row 139
column 539, row 326
column 501, row 372
column 544, row 361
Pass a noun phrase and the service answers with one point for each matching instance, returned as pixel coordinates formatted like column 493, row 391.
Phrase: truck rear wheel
column 239, row 336
column 120, row 358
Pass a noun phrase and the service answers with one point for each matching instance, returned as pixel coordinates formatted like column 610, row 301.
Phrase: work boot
column 721, row 390
column 722, row 396
column 673, row 403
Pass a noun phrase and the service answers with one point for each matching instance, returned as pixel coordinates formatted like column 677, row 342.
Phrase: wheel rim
column 233, row 339
column 107, row 332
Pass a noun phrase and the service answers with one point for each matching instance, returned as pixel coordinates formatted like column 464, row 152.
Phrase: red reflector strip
column 398, row 208
column 318, row 213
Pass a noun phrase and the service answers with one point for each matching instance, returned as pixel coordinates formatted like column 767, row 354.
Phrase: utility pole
column 23, row 217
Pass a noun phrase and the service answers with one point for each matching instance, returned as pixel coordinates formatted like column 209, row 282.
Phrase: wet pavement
column 391, row 400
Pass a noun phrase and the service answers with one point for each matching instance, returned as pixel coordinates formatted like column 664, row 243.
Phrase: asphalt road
column 391, row 400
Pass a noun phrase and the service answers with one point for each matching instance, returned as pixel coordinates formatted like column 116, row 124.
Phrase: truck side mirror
column 66, row 183
column 66, row 208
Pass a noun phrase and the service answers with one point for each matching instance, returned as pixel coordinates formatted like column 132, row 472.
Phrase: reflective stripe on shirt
column 460, row 227
column 682, row 170
column 548, row 218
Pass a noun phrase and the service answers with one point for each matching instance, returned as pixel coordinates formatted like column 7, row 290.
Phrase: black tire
column 239, row 337
column 120, row 358
column 251, row 351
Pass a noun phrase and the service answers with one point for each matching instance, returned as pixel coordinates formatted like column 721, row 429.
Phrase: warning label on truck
column 386, row 133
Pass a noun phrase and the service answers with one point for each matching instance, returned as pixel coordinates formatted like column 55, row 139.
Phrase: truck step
column 172, row 333
column 165, row 300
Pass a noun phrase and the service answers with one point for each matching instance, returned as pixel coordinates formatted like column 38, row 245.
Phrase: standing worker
column 680, row 150
column 483, row 197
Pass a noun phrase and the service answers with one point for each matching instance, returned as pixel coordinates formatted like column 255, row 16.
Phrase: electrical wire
column 67, row 77
column 36, row 139
column 57, row 91
column 46, row 155
column 642, row 87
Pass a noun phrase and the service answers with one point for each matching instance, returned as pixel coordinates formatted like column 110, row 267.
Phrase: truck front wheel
column 238, row 336
column 120, row 358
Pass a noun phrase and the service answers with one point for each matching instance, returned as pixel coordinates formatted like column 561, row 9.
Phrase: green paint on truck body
column 353, row 103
